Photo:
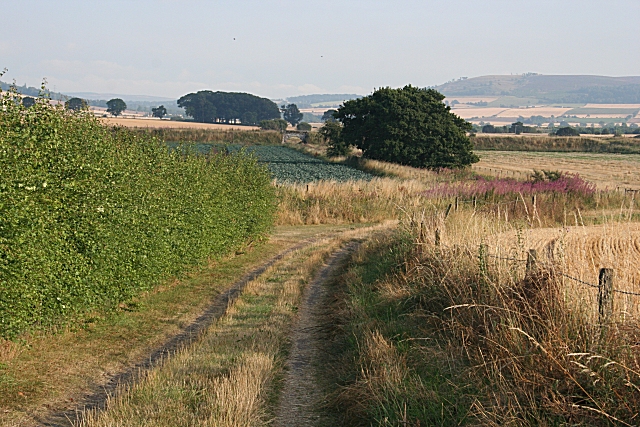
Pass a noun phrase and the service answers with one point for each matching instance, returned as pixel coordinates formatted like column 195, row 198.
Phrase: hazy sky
column 286, row 48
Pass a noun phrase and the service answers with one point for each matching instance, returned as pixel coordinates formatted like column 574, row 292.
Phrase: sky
column 286, row 48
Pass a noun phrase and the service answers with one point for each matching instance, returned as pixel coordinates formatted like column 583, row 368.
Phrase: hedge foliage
column 92, row 215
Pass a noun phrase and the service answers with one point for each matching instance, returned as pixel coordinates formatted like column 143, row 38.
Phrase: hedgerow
column 91, row 215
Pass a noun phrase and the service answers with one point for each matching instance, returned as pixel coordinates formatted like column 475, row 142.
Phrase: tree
column 291, row 114
column 567, row 131
column 517, row 128
column 159, row 112
column 331, row 132
column 410, row 126
column 489, row 128
column 116, row 106
column 303, row 126
column 276, row 124
column 206, row 106
column 76, row 104
column 28, row 101
column 328, row 116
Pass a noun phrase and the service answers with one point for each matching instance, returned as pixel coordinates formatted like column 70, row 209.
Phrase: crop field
column 289, row 165
column 580, row 252
column 604, row 170
column 163, row 124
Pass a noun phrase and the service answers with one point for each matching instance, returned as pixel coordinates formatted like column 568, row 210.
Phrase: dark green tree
column 291, row 114
column 159, row 112
column 517, row 128
column 331, row 133
column 328, row 116
column 275, row 124
column 76, row 104
column 228, row 107
column 489, row 128
column 410, row 126
column 303, row 126
column 116, row 106
column 28, row 101
column 567, row 131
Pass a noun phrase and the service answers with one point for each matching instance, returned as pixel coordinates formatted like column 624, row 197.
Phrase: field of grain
column 579, row 252
column 157, row 123
column 534, row 111
column 467, row 113
column 605, row 170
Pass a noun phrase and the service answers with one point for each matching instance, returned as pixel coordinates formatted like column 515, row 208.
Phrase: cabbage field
column 289, row 165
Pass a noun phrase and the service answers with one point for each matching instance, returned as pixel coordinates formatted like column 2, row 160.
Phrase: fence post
column 475, row 202
column 456, row 203
column 446, row 214
column 532, row 261
column 605, row 294
column 437, row 237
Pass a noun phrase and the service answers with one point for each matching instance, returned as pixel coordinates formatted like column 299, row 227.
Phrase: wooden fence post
column 605, row 294
column 446, row 214
column 532, row 261
column 456, row 203
column 437, row 237
column 475, row 202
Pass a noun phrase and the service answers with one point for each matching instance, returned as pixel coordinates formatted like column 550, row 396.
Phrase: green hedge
column 92, row 215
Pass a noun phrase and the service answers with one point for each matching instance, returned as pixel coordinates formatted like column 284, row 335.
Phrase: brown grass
column 605, row 170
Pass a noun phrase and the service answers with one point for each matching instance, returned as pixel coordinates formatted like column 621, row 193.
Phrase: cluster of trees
column 410, row 126
column 228, row 107
column 517, row 128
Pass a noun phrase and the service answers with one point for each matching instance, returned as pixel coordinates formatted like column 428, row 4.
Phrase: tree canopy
column 410, row 126
column 159, row 112
column 28, row 101
column 567, row 131
column 328, row 116
column 206, row 106
column 76, row 104
column 116, row 106
column 292, row 114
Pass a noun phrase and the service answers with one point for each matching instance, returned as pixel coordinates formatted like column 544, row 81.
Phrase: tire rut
column 302, row 398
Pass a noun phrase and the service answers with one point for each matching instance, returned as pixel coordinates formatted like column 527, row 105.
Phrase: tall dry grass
column 466, row 323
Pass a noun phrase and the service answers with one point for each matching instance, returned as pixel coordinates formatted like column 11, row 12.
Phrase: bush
column 303, row 126
column 567, row 131
column 92, row 215
column 275, row 124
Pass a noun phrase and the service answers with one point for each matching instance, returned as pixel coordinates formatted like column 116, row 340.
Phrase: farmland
column 289, row 165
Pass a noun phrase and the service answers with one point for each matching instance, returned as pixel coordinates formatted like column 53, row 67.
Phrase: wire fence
column 563, row 274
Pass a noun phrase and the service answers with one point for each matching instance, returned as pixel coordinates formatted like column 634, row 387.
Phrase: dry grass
column 348, row 202
column 604, row 170
column 163, row 124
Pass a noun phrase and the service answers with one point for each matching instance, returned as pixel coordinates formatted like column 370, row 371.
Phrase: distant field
column 604, row 112
column 604, row 170
column 535, row 111
column 467, row 113
column 157, row 123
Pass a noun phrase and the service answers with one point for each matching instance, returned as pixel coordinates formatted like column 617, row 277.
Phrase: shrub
column 91, row 215
column 275, row 124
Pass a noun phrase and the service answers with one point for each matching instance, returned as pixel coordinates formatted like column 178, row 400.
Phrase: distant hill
column 550, row 88
column 126, row 98
column 331, row 100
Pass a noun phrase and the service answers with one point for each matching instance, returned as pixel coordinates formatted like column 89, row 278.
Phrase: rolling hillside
column 549, row 88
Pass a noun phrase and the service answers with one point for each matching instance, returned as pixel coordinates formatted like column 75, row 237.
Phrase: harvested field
column 580, row 252
column 468, row 99
column 612, row 106
column 157, row 123
column 605, row 170
column 467, row 113
column 535, row 111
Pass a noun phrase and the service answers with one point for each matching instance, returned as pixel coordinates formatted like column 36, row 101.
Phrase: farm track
column 302, row 397
column 218, row 307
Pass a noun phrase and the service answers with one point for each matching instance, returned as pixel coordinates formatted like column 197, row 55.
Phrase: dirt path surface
column 302, row 397
column 97, row 400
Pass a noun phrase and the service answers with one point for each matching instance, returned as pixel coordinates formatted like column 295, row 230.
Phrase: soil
column 303, row 397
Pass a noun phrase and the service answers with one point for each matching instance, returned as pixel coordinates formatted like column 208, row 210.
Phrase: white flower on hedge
column 44, row 185
column 100, row 209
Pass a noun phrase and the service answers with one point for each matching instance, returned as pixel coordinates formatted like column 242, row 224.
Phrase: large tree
column 292, row 114
column 410, row 126
column 228, row 107
column 116, row 106
column 76, row 104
